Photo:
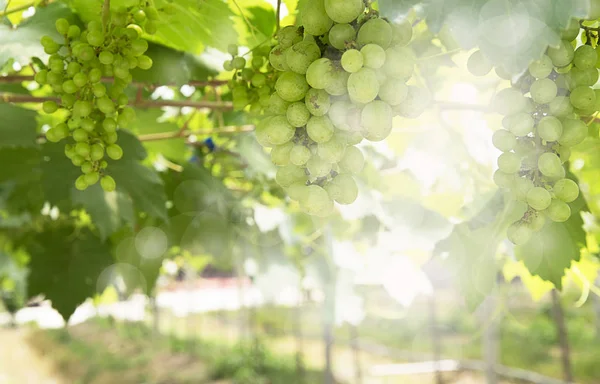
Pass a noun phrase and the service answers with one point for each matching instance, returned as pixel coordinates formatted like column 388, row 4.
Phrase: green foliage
column 20, row 126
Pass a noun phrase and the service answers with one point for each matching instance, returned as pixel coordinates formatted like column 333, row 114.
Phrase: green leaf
column 23, row 43
column 65, row 266
column 108, row 210
column 19, row 163
column 58, row 175
column 138, row 271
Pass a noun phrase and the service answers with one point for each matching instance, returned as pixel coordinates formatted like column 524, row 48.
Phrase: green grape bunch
column 543, row 111
column 338, row 77
column 77, row 71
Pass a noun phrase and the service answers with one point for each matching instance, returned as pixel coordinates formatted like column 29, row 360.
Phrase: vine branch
column 105, row 15
column 278, row 16
column 187, row 133
column 20, row 8
column 194, row 83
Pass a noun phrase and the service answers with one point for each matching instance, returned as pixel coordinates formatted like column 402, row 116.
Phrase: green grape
column 521, row 187
column 109, row 125
column 373, row 56
column 82, row 149
column 77, row 159
column 96, row 152
column 352, row 60
column 80, row 183
column 538, row 198
column 375, row 31
column 578, row 77
column 82, row 108
column 287, row 36
column 80, row 135
column 108, row 183
column 560, row 107
column 62, row 26
column 139, row 47
column 550, row 128
column 318, row 74
column 343, row 189
column 352, row 161
column 543, row 91
column 49, row 106
column 290, row 174
column 504, row 140
column 316, row 201
column 50, row 46
column 550, row 165
column 332, row 150
column 279, row 130
column 227, row 65
column 562, row 55
column 95, row 38
column 95, row 75
column 106, row 57
column 105, row 105
column 478, row 64
column 299, row 155
column 114, row 151
column 144, row 62
column 503, row 180
column 87, row 167
column 518, row 233
column 537, row 221
column 317, row 102
column 566, row 190
column 509, row 101
column 376, row 118
column 417, row 100
column 41, row 77
column 344, row 11
column 151, row 27
column 509, row 162
column 69, row 87
column 363, row 86
column 574, row 132
column 571, row 31
column 399, row 62
column 401, row 33
column 247, row 74
column 61, row 131
column 563, row 152
column 259, row 80
column 319, row 129
column 583, row 97
column 521, row 124
column 558, row 211
column 318, row 167
column 585, row 57
column 277, row 105
column 340, row 35
column 393, row 91
column 291, row 86
column 280, row 154
column 278, row 60
column 297, row 114
column 80, row 80
column 541, row 68
column 315, row 19
column 91, row 178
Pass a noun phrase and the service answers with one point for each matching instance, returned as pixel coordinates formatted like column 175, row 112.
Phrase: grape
column 585, row 57
column 550, row 128
column 278, row 59
column 342, row 34
column 107, row 183
column 343, row 189
column 538, row 198
column 338, row 84
column 373, row 56
column 316, row 201
column 416, row 101
column 291, row 86
column 332, row 150
column 300, row 56
column 583, row 97
column 521, row 124
column 399, row 62
column 574, row 132
column 562, row 55
column 280, row 154
column 541, row 68
column 344, row 11
column 393, row 91
column 317, row 167
column 49, row 107
column 287, row 36
column 522, row 186
column 543, row 91
column 314, row 18
column 571, row 31
column 363, row 86
column 299, row 155
column 375, row 31
column 550, row 165
column 297, row 114
column 319, row 129
column 352, row 161
column 96, row 152
column 560, row 107
column 518, row 233
column 80, row 183
column 503, row 180
column 62, row 26
column 566, row 190
column 318, row 74
column 376, row 118
column 509, row 101
column 114, row 151
column 317, row 101
column 279, row 130
column 504, row 140
column 352, row 60
column 478, row 64
column 401, row 33
column 558, row 211
column 290, row 174
column 509, row 162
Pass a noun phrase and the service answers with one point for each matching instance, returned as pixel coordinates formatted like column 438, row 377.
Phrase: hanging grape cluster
column 542, row 122
column 76, row 72
column 339, row 77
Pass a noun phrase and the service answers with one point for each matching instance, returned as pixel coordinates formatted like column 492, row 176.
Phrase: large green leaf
column 65, row 266
column 58, row 175
column 137, row 269
column 19, row 163
column 23, row 43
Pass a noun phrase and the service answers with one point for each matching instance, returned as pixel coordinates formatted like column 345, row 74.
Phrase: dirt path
column 19, row 364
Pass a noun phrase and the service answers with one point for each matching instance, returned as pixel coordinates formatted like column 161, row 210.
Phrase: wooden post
column 563, row 337
column 297, row 329
column 436, row 338
column 354, row 337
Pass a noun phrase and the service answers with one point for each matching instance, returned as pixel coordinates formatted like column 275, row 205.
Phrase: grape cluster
column 252, row 80
column 340, row 77
column 542, row 122
column 95, row 110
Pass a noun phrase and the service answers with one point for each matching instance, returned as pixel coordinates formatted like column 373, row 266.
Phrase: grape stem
column 277, row 16
column 105, row 15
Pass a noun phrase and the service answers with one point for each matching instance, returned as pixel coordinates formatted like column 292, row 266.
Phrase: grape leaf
column 65, row 265
column 137, row 271
column 58, row 175
column 19, row 163
column 23, row 43
column 18, row 126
